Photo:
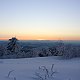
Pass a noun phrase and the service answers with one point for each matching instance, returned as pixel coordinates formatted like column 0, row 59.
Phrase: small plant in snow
column 9, row 73
column 45, row 74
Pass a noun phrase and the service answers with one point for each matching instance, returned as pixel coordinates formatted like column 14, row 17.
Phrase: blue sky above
column 40, row 19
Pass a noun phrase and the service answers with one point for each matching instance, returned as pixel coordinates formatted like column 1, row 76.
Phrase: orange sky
column 47, row 38
column 27, row 37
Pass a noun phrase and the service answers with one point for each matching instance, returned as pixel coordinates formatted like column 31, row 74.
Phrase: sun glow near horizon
column 29, row 37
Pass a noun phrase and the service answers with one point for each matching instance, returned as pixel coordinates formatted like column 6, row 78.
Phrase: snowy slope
column 24, row 69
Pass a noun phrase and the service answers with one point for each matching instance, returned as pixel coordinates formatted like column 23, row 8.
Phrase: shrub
column 45, row 74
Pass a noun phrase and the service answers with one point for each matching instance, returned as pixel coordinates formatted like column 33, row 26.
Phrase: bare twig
column 45, row 74
column 10, row 73
column 52, row 67
column 38, row 75
column 46, row 71
column 52, row 72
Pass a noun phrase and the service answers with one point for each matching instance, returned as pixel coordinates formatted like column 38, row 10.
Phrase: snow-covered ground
column 24, row 69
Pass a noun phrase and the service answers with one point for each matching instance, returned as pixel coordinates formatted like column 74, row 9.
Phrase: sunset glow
column 40, row 19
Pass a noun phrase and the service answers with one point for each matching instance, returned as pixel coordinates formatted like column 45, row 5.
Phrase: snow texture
column 24, row 69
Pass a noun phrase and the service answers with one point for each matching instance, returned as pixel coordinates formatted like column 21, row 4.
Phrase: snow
column 24, row 69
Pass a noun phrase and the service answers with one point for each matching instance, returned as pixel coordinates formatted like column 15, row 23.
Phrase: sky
column 40, row 19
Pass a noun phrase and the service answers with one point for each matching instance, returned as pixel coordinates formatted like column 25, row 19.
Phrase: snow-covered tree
column 53, row 51
column 60, row 47
column 71, row 51
column 78, row 51
column 2, row 51
column 13, row 45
